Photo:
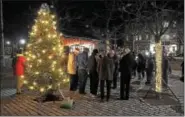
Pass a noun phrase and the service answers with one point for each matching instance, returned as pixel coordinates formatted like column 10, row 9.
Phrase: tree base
column 49, row 96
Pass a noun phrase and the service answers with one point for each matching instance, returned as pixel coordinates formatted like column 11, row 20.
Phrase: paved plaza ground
column 24, row 104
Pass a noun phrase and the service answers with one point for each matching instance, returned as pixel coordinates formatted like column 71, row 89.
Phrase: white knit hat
column 127, row 50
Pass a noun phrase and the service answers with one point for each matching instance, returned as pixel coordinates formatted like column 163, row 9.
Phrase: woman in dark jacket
column 92, row 67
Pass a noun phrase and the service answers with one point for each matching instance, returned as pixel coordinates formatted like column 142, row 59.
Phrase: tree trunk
column 158, row 57
column 107, row 45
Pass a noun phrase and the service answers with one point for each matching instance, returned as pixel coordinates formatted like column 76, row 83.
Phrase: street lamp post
column 2, row 37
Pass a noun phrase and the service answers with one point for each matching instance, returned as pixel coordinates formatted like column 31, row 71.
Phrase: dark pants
column 134, row 72
column 102, row 85
column 165, row 79
column 125, row 86
column 141, row 74
column 183, row 71
column 82, row 75
column 73, row 82
column 94, row 81
column 149, row 76
column 115, row 79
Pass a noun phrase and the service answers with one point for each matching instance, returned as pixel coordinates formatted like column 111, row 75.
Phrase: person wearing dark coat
column 134, row 65
column 149, row 70
column 105, row 70
column 166, row 69
column 126, row 66
column 82, row 63
column 182, row 77
column 116, row 62
column 14, row 59
column 141, row 66
column 92, row 67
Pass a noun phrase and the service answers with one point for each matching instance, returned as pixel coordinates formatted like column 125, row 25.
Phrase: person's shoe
column 101, row 100
column 83, row 93
column 113, row 87
column 126, row 98
column 18, row 93
column 182, row 79
column 147, row 83
column 92, row 95
column 120, row 98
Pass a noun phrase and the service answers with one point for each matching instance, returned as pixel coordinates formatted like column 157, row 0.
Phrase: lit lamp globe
column 8, row 43
column 22, row 41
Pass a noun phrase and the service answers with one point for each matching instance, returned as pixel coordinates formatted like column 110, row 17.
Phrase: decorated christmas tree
column 44, row 53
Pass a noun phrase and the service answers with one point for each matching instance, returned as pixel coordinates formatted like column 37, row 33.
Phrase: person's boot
column 101, row 100
column 126, row 98
column 147, row 83
column 182, row 79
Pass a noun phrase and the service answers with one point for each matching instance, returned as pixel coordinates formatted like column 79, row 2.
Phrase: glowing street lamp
column 8, row 42
column 22, row 41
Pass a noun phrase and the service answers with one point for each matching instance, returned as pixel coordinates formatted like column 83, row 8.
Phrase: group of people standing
column 104, row 67
column 101, row 67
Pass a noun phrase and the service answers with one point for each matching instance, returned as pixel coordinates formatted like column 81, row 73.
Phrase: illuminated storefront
column 77, row 42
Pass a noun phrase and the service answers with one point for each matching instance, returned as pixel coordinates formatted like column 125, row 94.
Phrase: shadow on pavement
column 151, row 98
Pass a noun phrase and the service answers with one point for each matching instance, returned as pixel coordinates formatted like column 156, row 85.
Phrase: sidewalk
column 24, row 104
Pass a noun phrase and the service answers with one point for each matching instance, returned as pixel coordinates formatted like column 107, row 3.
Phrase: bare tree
column 179, row 29
column 65, row 15
column 158, row 17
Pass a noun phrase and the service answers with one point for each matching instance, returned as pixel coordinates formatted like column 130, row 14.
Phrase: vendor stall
column 77, row 42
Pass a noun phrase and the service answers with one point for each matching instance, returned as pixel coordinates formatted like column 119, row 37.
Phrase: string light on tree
column 31, row 87
column 158, row 57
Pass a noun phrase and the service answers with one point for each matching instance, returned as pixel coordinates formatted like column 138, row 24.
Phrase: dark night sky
column 19, row 15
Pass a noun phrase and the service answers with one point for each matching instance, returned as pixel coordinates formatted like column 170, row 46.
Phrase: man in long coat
column 106, row 70
column 126, row 66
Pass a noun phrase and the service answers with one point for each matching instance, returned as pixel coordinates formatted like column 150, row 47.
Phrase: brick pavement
column 85, row 105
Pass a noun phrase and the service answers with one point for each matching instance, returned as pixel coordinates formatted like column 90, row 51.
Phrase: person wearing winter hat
column 126, row 64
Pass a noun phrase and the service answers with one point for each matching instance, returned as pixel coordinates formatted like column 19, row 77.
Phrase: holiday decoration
column 44, row 53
